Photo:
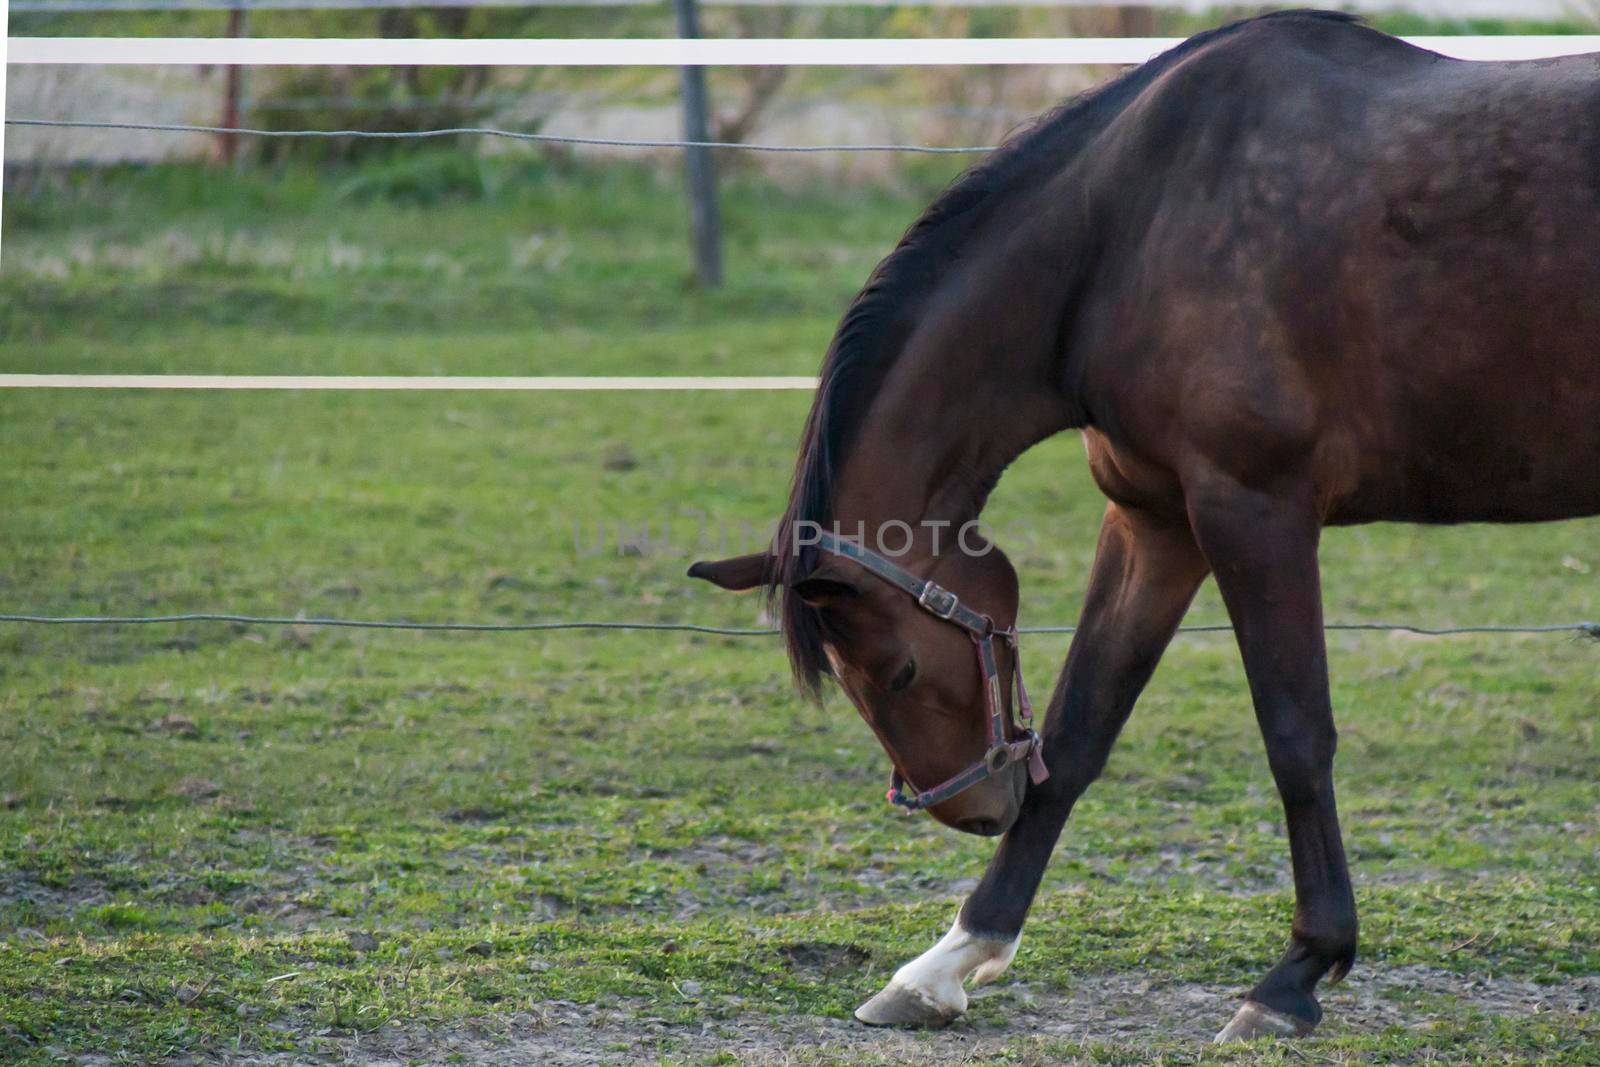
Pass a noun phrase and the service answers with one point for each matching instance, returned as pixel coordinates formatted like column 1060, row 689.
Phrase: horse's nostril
column 982, row 827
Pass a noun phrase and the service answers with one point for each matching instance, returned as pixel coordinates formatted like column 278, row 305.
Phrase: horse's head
column 915, row 677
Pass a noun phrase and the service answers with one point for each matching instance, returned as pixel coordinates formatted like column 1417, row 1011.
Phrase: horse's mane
column 875, row 326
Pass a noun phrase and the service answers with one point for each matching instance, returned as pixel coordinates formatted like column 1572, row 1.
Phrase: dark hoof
column 897, row 1005
column 1257, row 1020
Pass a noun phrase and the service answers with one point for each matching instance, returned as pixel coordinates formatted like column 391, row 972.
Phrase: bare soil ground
column 1120, row 1010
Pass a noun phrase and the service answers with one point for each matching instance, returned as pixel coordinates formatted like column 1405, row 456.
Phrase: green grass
column 192, row 811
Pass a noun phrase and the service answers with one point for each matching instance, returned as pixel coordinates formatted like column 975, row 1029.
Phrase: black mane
column 877, row 322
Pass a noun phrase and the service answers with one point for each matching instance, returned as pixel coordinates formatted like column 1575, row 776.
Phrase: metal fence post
column 700, row 170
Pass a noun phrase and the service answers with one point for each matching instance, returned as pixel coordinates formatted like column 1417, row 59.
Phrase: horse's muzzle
column 988, row 809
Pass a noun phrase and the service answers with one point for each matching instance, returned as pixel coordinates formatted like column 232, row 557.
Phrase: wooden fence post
column 5, row 11
column 700, row 170
column 232, row 90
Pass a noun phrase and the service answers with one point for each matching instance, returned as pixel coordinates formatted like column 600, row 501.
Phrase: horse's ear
column 737, row 573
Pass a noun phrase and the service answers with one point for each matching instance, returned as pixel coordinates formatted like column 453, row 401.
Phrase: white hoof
column 895, row 1005
column 1257, row 1020
column 929, row 991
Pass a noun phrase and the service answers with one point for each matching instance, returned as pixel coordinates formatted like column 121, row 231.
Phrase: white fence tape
column 672, row 52
column 585, row 384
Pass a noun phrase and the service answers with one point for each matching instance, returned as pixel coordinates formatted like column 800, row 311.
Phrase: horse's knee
column 1302, row 764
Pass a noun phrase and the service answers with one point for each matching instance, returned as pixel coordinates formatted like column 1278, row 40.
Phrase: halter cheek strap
column 945, row 605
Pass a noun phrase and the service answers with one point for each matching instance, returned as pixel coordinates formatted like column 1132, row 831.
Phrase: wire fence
column 491, row 131
column 1585, row 629
column 1582, row 629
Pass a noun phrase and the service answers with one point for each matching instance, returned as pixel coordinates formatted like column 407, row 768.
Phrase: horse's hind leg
column 1264, row 553
column 1146, row 571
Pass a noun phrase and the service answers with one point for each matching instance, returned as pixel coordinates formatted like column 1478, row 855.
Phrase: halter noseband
column 943, row 604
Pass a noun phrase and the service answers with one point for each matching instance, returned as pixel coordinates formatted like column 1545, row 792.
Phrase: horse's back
column 1481, row 330
column 1387, row 259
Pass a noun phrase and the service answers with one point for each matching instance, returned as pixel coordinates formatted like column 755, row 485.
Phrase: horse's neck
column 977, row 381
column 937, row 438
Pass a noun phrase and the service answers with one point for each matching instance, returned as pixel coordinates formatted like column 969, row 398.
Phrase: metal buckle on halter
column 938, row 600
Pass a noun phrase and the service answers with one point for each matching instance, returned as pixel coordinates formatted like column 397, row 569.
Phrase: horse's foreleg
column 1264, row 552
column 1145, row 574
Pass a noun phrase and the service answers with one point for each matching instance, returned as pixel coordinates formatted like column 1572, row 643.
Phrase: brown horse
column 1292, row 273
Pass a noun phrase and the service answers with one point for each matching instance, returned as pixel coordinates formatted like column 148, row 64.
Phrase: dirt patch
column 1415, row 996
column 824, row 957
column 1013, row 1019
column 475, row 815
column 197, row 789
column 22, row 888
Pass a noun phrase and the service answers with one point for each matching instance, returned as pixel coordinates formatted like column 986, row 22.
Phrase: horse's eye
column 903, row 677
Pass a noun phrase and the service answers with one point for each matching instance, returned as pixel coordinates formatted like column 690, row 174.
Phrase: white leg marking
column 929, row 988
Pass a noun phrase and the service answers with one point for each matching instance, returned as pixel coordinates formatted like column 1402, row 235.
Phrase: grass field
column 273, row 844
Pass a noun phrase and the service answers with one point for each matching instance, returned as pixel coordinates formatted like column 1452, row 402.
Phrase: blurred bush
column 383, row 99
column 419, row 179
column 427, row 178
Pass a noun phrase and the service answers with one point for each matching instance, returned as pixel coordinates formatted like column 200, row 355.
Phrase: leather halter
column 943, row 604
